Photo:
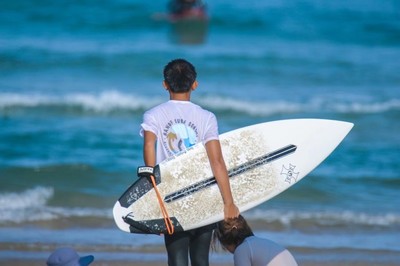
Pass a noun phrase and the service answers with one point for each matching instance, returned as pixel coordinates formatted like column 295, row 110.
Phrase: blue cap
column 68, row 257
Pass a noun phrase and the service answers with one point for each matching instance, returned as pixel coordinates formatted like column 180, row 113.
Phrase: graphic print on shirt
column 179, row 135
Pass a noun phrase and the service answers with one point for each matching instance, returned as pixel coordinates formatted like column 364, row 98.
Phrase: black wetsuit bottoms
column 195, row 242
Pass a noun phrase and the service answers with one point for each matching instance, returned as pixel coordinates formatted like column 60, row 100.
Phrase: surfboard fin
column 137, row 227
column 155, row 227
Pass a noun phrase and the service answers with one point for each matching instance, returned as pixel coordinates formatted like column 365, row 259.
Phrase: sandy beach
column 155, row 257
column 141, row 263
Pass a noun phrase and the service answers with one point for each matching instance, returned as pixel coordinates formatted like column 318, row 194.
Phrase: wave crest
column 114, row 102
column 331, row 219
column 31, row 205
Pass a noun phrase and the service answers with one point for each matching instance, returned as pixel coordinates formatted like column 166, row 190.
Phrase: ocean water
column 76, row 77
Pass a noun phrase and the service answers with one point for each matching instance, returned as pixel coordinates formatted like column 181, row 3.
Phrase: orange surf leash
column 167, row 219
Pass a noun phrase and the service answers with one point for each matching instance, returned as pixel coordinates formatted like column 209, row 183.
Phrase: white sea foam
column 31, row 198
column 32, row 205
column 114, row 101
column 17, row 207
column 326, row 218
column 251, row 107
column 375, row 107
column 109, row 101
column 103, row 102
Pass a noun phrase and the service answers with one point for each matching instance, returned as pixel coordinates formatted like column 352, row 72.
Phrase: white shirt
column 179, row 125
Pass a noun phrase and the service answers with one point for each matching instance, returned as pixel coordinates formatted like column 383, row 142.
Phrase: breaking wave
column 114, row 102
column 31, row 205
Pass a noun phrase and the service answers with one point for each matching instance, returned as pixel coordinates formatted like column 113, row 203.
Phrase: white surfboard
column 263, row 160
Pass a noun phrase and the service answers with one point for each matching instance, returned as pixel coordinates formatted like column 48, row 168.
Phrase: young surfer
column 172, row 127
column 236, row 236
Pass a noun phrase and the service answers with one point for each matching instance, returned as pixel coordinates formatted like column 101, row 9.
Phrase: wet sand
column 25, row 256
column 139, row 263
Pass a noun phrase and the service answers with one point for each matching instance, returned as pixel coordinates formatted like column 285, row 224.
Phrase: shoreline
column 40, row 262
column 21, row 254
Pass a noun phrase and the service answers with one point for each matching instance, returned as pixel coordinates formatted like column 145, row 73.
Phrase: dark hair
column 179, row 75
column 232, row 232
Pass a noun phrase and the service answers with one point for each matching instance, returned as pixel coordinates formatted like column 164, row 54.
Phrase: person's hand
column 231, row 211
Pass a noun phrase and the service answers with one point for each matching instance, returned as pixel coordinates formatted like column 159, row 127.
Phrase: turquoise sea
column 76, row 77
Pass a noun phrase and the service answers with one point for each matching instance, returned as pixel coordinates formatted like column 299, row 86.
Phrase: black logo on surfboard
column 289, row 172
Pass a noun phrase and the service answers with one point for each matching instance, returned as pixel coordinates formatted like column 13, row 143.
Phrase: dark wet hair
column 232, row 232
column 179, row 75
